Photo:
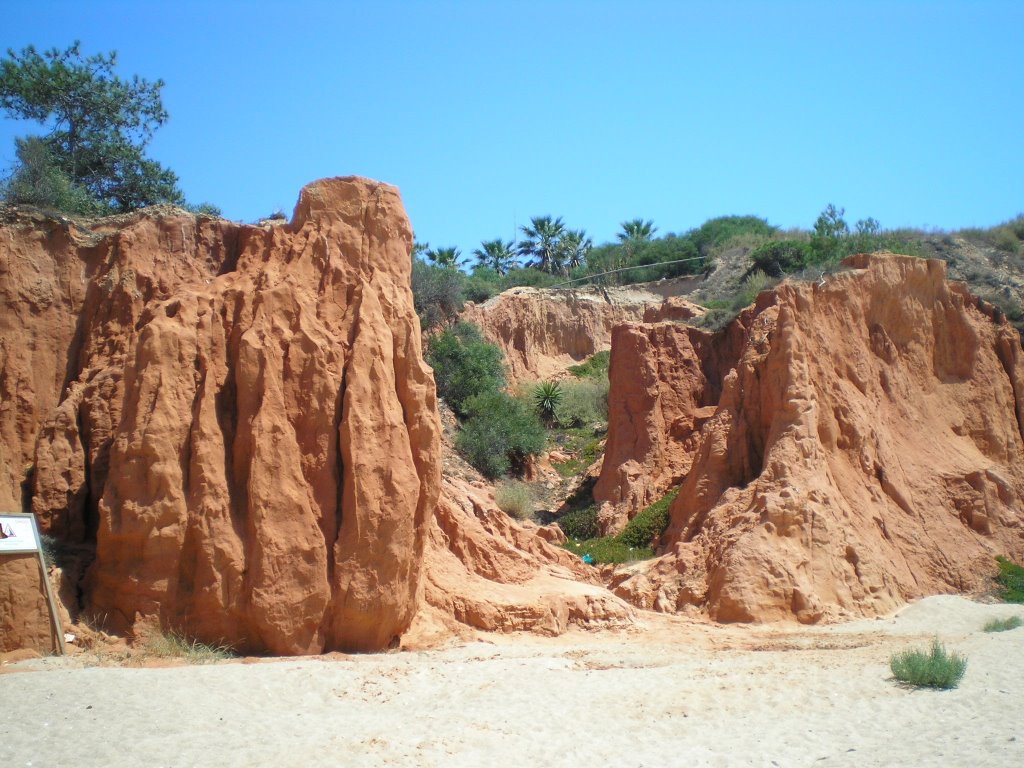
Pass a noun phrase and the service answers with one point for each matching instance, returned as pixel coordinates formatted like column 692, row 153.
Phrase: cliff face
column 665, row 383
column 865, row 449
column 237, row 417
column 544, row 331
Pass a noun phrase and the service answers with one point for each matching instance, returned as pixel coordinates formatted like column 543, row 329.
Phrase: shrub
column 1011, row 580
column 437, row 293
column 39, row 181
column 649, row 524
column 580, row 523
column 582, row 403
column 499, row 435
column 934, row 669
column 464, row 365
column 515, row 499
column 778, row 257
column 594, row 367
column 1002, row 625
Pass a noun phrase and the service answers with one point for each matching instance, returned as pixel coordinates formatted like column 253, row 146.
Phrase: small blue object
column 588, row 559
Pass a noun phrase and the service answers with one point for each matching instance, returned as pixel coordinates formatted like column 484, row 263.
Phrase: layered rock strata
column 865, row 449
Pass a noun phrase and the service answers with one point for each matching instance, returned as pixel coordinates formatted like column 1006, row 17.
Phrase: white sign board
column 18, row 534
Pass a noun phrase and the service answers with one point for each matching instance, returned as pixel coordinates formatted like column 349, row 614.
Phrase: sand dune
column 673, row 692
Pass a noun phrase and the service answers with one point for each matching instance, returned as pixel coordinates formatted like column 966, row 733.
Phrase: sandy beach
column 672, row 692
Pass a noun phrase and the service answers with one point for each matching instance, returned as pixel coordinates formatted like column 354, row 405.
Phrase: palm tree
column 574, row 247
column 496, row 255
column 637, row 231
column 444, row 257
column 542, row 240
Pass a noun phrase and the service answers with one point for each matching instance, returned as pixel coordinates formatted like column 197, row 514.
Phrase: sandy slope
column 672, row 693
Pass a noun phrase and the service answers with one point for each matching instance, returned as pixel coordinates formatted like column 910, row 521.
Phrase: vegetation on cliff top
column 91, row 158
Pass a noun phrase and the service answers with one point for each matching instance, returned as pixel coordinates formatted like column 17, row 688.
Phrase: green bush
column 39, row 181
column 934, row 669
column 582, row 403
column 1002, row 625
column 594, row 367
column 499, row 435
column 464, row 365
column 515, row 499
column 649, row 523
column 634, row 543
column 779, row 257
column 436, row 293
column 1011, row 581
column 580, row 523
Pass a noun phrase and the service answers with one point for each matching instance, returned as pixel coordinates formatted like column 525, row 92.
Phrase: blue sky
column 485, row 113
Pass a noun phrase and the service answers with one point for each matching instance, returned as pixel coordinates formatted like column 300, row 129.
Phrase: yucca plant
column 546, row 398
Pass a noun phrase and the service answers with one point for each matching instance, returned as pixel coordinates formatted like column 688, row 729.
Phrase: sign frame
column 22, row 526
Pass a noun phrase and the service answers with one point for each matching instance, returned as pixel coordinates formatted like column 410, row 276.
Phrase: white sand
column 674, row 693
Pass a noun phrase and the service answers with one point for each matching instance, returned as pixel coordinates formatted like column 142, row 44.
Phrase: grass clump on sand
column 514, row 498
column 173, row 645
column 929, row 669
column 1002, row 625
column 1011, row 581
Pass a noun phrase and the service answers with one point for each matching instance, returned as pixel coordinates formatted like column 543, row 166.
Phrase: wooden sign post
column 19, row 535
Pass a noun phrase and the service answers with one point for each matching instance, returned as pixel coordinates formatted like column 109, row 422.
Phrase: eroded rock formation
column 489, row 572
column 544, row 331
column 238, row 417
column 866, row 449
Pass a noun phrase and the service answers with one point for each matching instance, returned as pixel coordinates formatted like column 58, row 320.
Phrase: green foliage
column 437, row 293
column 931, row 669
column 96, row 125
column 481, row 284
column 779, row 257
column 1003, row 625
column 496, row 255
column 39, row 181
column 582, row 403
column 443, row 257
column 717, row 232
column 637, row 231
column 649, row 523
column 515, row 499
column 546, row 397
column 464, row 365
column 529, row 277
column 541, row 242
column 634, row 543
column 580, row 524
column 608, row 550
column 1011, row 581
column 499, row 435
column 582, row 444
column 750, row 288
column 206, row 209
column 594, row 367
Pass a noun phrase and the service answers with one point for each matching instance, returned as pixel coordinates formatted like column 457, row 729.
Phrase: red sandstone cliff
column 544, row 331
column 865, row 449
column 238, row 417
